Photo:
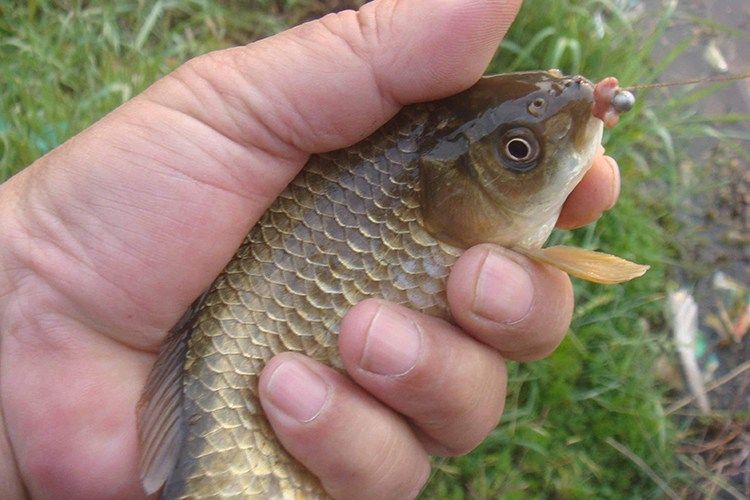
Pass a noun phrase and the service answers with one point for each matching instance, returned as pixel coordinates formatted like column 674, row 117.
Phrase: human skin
column 108, row 239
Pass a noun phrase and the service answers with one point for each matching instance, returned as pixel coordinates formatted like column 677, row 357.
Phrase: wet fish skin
column 385, row 218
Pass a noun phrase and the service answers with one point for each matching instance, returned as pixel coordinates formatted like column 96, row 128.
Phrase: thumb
column 174, row 179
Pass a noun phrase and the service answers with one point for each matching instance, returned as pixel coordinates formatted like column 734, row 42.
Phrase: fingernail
column 504, row 291
column 615, row 179
column 392, row 344
column 297, row 391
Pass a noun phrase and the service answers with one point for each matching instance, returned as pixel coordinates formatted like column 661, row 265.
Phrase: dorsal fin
column 587, row 264
column 161, row 429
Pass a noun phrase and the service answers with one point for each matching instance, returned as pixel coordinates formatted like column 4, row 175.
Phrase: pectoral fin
column 587, row 264
column 161, row 426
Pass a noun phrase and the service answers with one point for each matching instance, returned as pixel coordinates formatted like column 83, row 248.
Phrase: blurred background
column 649, row 396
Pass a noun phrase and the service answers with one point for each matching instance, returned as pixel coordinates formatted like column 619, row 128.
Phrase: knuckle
column 359, row 32
column 345, row 28
column 389, row 470
column 469, row 405
column 202, row 70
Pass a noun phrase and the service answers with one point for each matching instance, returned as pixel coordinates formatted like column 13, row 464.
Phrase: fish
column 386, row 218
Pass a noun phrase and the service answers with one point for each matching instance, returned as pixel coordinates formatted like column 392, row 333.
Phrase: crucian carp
column 387, row 218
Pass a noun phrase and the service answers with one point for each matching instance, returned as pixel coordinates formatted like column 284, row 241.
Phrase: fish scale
column 287, row 288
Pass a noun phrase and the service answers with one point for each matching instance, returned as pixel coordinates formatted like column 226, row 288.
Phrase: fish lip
column 579, row 83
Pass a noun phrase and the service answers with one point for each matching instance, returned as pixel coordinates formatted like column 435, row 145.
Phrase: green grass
column 568, row 418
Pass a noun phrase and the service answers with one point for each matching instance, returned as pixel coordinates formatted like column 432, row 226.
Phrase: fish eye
column 519, row 149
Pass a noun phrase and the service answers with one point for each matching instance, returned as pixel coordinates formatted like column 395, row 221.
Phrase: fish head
column 502, row 157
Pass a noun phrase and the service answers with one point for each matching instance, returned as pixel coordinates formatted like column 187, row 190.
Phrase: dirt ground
column 717, row 232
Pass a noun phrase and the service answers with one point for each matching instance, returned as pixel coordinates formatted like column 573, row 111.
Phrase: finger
column 597, row 192
column 509, row 302
column 450, row 386
column 174, row 179
column 357, row 447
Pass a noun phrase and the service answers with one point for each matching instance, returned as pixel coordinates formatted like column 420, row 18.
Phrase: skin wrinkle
column 62, row 331
column 171, row 172
column 458, row 409
column 270, row 108
column 31, row 254
column 106, row 204
column 266, row 108
column 263, row 138
column 329, row 133
column 75, row 248
column 147, row 166
column 143, row 256
column 15, row 273
column 63, row 208
column 382, row 16
column 323, row 135
column 223, row 99
column 391, row 448
column 11, row 268
column 369, row 24
column 208, row 181
column 359, row 50
column 386, row 460
column 43, row 230
column 75, row 309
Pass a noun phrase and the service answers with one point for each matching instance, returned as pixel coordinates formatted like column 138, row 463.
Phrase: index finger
column 596, row 193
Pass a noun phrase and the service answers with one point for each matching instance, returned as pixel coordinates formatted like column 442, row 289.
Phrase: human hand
column 107, row 240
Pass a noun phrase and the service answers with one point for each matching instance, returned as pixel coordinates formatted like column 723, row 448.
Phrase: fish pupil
column 518, row 149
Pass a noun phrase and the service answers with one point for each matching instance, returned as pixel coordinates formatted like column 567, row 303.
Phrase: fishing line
column 719, row 78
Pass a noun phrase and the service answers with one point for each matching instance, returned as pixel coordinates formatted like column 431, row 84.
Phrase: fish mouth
column 572, row 87
column 578, row 91
column 573, row 95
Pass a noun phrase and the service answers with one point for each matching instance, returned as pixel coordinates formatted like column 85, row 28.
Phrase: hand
column 107, row 240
